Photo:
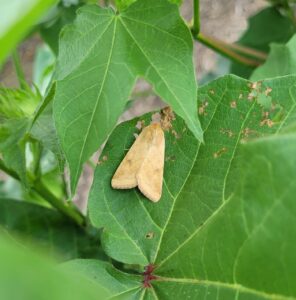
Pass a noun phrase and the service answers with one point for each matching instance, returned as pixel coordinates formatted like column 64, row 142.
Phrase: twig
column 196, row 20
column 227, row 50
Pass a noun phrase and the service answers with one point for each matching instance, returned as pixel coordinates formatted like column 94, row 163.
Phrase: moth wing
column 125, row 175
column 150, row 175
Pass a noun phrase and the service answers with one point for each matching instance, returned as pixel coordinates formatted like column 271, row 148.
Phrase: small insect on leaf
column 143, row 164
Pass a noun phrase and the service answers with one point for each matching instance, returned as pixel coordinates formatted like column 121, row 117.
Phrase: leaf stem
column 196, row 19
column 68, row 210
column 19, row 70
column 229, row 50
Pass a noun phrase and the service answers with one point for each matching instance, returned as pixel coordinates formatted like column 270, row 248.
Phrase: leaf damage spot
column 176, row 134
column 220, row 152
column 266, row 121
column 167, row 116
column 212, row 92
column 233, row 104
column 170, row 158
column 140, row 124
column 149, row 235
column 268, row 91
column 227, row 131
column 252, row 95
column 248, row 133
column 202, row 108
column 104, row 159
column 255, row 85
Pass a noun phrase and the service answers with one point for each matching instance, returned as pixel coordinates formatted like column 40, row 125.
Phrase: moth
column 143, row 164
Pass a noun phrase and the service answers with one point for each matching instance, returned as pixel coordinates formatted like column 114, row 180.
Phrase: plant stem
column 196, row 20
column 227, row 50
column 67, row 209
column 64, row 207
column 19, row 70
column 260, row 55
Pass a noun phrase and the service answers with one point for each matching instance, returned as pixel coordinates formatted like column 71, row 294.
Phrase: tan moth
column 143, row 164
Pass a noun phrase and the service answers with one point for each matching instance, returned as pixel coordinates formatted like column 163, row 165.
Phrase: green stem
column 196, row 19
column 19, row 70
column 67, row 209
column 228, row 50
column 260, row 55
column 64, row 207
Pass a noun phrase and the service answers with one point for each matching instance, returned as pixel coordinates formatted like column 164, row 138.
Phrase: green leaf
column 16, row 19
column 13, row 146
column 43, row 68
column 120, row 285
column 27, row 276
column 101, row 56
column 123, row 4
column 195, row 232
column 51, row 29
column 266, row 27
column 16, row 107
column 281, row 61
column 34, row 224
column 43, row 128
column 246, row 248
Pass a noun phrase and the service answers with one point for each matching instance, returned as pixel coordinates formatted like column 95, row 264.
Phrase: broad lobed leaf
column 281, row 61
column 46, row 228
column 100, row 57
column 217, row 231
column 266, row 27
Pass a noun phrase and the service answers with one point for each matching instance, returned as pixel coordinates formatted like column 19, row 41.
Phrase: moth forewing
column 125, row 175
column 150, row 174
column 143, row 164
